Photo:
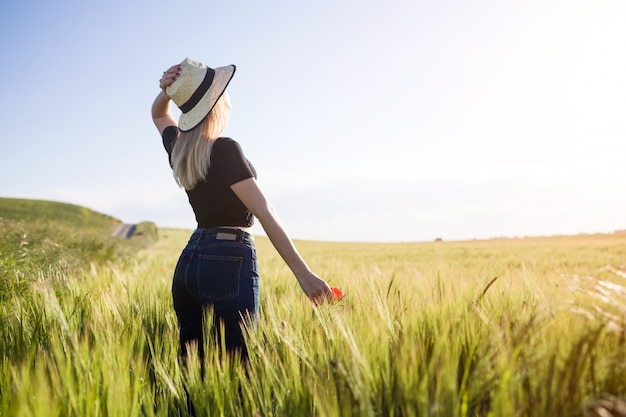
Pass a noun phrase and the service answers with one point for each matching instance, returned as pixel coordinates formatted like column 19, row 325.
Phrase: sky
column 390, row 121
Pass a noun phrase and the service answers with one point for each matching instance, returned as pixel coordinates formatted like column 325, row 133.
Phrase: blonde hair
column 191, row 155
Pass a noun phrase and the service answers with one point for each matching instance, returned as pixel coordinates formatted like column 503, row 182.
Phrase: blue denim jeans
column 217, row 270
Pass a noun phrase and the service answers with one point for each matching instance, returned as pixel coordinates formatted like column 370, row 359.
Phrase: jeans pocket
column 221, row 279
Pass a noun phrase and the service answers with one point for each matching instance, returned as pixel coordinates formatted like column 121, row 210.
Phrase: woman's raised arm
column 161, row 114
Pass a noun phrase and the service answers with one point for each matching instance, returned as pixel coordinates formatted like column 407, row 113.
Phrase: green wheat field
column 505, row 327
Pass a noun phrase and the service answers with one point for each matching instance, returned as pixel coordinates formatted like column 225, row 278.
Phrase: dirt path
column 125, row 230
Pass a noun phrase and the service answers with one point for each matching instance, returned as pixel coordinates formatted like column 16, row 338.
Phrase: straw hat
column 197, row 90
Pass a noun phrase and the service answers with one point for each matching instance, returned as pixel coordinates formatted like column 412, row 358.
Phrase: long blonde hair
column 191, row 155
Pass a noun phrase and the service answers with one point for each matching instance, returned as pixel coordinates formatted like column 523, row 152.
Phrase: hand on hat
column 169, row 77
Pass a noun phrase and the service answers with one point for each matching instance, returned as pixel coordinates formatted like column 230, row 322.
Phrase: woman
column 218, row 269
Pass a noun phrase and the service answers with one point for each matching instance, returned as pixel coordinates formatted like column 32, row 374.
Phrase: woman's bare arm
column 251, row 195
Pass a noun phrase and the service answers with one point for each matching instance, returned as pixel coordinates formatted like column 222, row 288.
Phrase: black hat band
column 200, row 91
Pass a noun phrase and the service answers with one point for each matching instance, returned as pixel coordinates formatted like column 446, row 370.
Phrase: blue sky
column 366, row 120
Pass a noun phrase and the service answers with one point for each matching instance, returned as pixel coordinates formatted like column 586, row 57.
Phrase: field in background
column 526, row 327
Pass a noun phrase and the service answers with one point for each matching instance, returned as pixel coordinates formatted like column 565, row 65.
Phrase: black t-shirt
column 213, row 201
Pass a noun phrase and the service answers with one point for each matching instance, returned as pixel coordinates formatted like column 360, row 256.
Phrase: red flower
column 337, row 294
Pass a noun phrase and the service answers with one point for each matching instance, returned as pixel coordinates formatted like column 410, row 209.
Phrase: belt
column 221, row 233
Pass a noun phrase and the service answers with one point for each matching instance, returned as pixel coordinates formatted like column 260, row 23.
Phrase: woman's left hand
column 161, row 115
column 169, row 77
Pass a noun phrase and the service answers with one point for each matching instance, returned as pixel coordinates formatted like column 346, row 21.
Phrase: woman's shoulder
column 169, row 135
column 226, row 143
column 170, row 132
column 224, row 140
column 226, row 150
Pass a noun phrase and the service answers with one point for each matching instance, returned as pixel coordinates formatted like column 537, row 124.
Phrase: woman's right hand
column 169, row 77
column 315, row 288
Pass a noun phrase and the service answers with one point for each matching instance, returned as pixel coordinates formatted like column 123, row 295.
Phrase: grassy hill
column 40, row 211
column 47, row 241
